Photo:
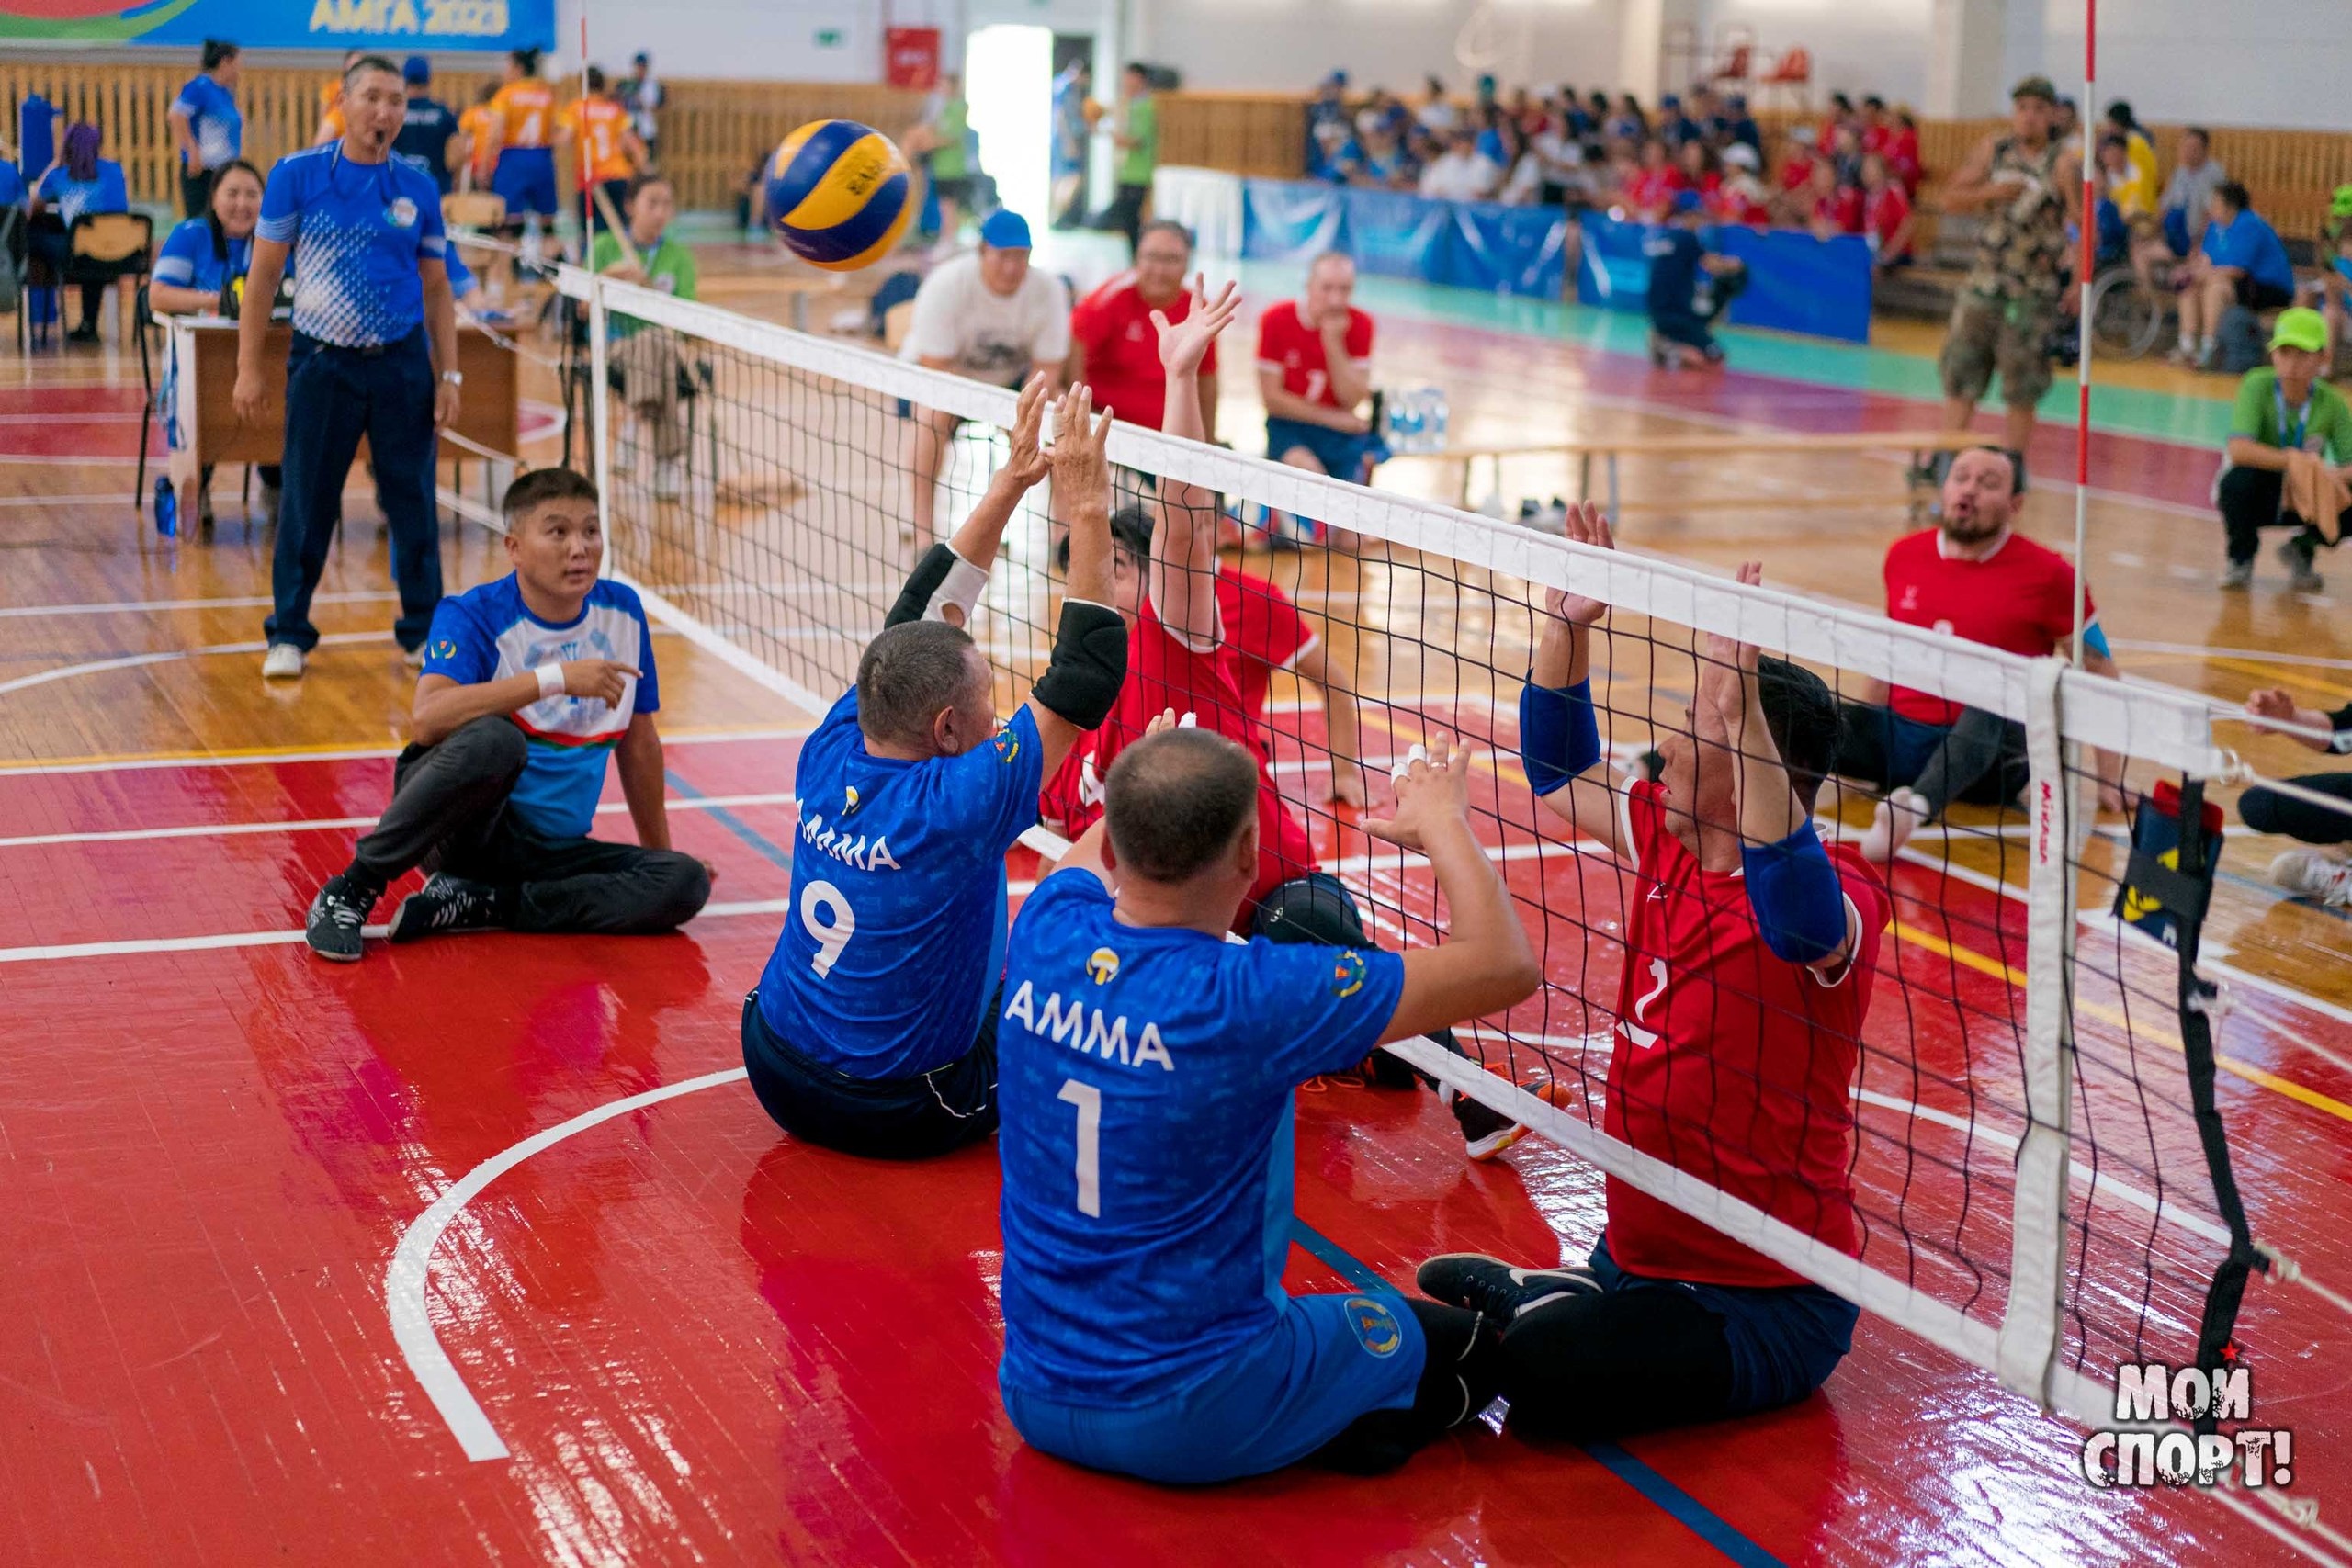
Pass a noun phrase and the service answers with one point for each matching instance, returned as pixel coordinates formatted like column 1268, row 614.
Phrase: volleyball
column 839, row 194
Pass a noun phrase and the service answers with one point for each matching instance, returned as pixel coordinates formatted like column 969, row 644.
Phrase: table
column 202, row 379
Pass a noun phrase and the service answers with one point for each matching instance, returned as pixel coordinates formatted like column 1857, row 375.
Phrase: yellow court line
column 2282, row 674
column 374, row 743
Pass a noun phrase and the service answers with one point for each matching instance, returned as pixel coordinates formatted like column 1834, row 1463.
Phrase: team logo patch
column 1007, row 744
column 1375, row 1326
column 444, row 648
column 1103, row 966
column 402, row 213
column 849, row 799
column 1347, row 975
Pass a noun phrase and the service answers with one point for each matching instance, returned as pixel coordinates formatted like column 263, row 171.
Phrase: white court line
column 347, row 754
column 324, row 824
column 2253, row 655
column 148, row 607
column 169, row 656
column 111, row 497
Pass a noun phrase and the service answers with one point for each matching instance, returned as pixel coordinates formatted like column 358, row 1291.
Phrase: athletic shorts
column 1326, row 1361
column 1992, row 334
column 525, row 180
column 1342, row 455
column 1784, row 1340
column 910, row 1118
column 2258, row 296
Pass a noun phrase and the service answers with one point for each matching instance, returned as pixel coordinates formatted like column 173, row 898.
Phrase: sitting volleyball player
column 529, row 684
column 1749, row 955
column 1149, row 1068
column 872, row 1030
column 1182, row 657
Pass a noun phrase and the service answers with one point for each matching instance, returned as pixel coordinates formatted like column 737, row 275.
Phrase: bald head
column 1177, row 801
column 1331, row 287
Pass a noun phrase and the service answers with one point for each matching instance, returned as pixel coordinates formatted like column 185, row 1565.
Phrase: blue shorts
column 1327, row 1360
column 1784, row 1340
column 525, row 180
column 1342, row 455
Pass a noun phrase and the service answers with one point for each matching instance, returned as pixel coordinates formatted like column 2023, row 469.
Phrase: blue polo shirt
column 73, row 197
column 212, row 120
column 358, row 231
column 189, row 261
column 2250, row 243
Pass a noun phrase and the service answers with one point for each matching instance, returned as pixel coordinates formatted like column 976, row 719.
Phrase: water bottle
column 1439, row 413
column 167, row 509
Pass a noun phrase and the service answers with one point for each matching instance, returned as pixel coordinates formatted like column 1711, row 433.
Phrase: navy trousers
column 334, row 395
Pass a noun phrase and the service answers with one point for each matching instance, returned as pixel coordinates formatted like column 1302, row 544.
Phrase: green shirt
column 949, row 160
column 1136, row 163
column 2327, row 427
column 669, row 267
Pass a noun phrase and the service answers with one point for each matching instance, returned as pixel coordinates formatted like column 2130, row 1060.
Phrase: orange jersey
column 479, row 124
column 600, row 124
column 331, row 107
column 524, row 110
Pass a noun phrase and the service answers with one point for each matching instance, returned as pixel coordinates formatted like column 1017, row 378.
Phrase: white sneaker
column 414, row 657
column 282, row 662
column 2314, row 873
column 665, row 480
column 1897, row 817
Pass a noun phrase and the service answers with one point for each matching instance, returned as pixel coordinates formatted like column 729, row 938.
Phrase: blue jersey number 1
column 1089, row 1100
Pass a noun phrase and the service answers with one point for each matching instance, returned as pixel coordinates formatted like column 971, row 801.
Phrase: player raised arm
column 947, row 582
column 1486, row 963
column 1090, row 662
column 1184, row 553
column 1559, row 728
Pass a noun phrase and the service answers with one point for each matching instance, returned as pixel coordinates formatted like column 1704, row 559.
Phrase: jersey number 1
column 1089, row 1100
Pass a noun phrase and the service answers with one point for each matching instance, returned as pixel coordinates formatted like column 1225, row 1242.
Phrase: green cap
column 2035, row 88
column 2301, row 327
column 2340, row 204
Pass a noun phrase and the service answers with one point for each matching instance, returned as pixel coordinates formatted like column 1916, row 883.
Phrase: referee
column 372, row 317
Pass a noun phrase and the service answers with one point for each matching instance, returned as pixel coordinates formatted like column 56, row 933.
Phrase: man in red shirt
column 1886, row 213
column 1750, row 954
column 1315, row 372
column 1113, row 347
column 1973, row 578
column 1180, row 661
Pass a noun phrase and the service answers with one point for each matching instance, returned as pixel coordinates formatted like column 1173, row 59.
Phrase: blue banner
column 1399, row 235
column 1795, row 282
column 410, row 27
column 1511, row 250
column 1283, row 221
column 1501, row 250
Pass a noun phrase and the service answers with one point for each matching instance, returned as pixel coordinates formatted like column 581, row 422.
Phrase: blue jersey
column 189, row 259
column 1143, row 1079
column 73, row 197
column 2251, row 245
column 488, row 633
column 423, row 138
column 896, row 938
column 1674, row 256
column 213, row 122
column 360, row 232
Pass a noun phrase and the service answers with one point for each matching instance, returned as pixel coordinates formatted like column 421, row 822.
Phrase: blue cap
column 418, row 69
column 1686, row 201
column 1006, row 231
column 1669, row 102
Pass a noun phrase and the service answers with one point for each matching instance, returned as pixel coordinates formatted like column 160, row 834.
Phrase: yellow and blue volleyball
column 840, row 194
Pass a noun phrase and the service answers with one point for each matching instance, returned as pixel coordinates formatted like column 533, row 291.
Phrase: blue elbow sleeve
column 1799, row 903
column 1559, row 736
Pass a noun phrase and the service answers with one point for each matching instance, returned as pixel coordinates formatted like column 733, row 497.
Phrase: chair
column 106, row 247
column 695, row 381
column 1792, row 71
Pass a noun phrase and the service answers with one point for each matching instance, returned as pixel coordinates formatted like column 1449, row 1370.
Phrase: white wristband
column 961, row 588
column 550, row 680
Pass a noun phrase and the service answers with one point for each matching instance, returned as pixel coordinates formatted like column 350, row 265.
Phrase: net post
column 600, row 405
column 2028, row 1347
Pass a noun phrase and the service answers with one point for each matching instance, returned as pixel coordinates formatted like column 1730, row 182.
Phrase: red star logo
column 2230, row 1353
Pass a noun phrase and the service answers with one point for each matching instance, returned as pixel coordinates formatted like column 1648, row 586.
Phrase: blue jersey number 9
column 829, row 921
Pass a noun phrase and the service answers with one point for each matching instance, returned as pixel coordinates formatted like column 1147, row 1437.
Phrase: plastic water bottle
column 1439, row 413
column 167, row 509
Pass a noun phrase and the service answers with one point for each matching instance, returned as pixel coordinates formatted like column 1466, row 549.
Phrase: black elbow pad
column 1090, row 664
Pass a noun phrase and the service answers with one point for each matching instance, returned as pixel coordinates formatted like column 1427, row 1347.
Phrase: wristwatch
column 454, row 377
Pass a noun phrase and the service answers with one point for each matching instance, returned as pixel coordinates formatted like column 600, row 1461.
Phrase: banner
column 411, row 27
column 1795, row 282
column 1499, row 250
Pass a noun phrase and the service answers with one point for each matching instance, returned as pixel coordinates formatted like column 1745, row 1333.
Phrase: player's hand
column 247, row 397
column 2110, row 797
column 1587, row 524
column 1081, row 470
column 1164, row 720
column 1432, row 791
column 2272, row 703
column 1183, row 345
column 708, row 870
column 1031, row 460
column 1347, row 783
column 1727, row 666
column 606, row 680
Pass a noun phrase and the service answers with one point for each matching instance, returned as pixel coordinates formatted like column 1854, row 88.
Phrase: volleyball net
column 2039, row 1179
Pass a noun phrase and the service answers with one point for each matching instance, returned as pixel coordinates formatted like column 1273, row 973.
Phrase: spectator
column 1137, row 140
column 1679, row 318
column 2068, row 130
column 1629, row 123
column 1794, row 200
column 2290, row 443
column 1329, row 128
column 989, row 315
column 1886, row 214
column 1846, row 152
column 1435, row 112
column 2126, row 187
column 644, row 97
column 79, row 183
column 1841, row 116
column 1651, row 189
column 2307, row 874
column 2333, row 288
column 1742, row 198
column 2025, row 182
column 2138, row 145
column 1459, row 174
column 607, row 153
column 1837, row 205
column 1559, row 160
column 1701, row 169
column 646, row 356
column 1519, row 172
column 1115, row 349
column 1676, row 128
column 1575, row 121
column 1870, row 126
column 1598, row 111
column 205, row 125
column 1072, row 132
column 1315, row 372
column 1707, row 108
column 2185, row 208
column 1741, row 126
column 199, row 263
column 944, row 140
column 429, row 126
column 2240, row 262
column 1903, row 151
column 1385, row 164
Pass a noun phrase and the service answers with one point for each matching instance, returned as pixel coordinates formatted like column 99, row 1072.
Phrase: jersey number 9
column 829, row 921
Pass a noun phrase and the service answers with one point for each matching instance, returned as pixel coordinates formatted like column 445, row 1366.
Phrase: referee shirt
column 214, row 123
column 358, row 232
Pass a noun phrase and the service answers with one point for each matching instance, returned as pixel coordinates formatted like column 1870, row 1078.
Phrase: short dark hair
column 1176, row 800
column 371, row 63
column 2008, row 460
column 596, row 78
column 2199, row 132
column 908, row 675
column 527, row 59
column 539, row 486
column 1164, row 226
column 1130, row 537
column 650, row 178
column 217, row 52
column 1800, row 712
column 2235, row 194
column 2119, row 112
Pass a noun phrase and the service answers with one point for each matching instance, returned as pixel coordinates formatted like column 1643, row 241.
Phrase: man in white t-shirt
column 989, row 315
column 1459, row 174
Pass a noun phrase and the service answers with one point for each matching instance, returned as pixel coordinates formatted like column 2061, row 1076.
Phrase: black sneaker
column 1490, row 1286
column 443, row 907
column 1485, row 1131
column 336, row 914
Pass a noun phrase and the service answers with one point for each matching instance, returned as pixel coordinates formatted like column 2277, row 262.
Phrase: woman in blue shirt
column 79, row 183
column 198, row 262
column 2241, row 262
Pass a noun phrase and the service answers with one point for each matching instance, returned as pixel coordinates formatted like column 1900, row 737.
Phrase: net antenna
column 2086, row 254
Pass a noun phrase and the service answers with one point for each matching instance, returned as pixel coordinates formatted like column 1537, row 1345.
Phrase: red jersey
column 1651, row 191
column 1797, row 172
column 1263, row 632
column 1841, row 209
column 1903, row 157
column 1113, row 325
column 1740, row 201
column 1163, row 673
column 1729, row 1063
column 1290, row 345
column 1878, row 139
column 1883, row 211
column 2021, row 598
